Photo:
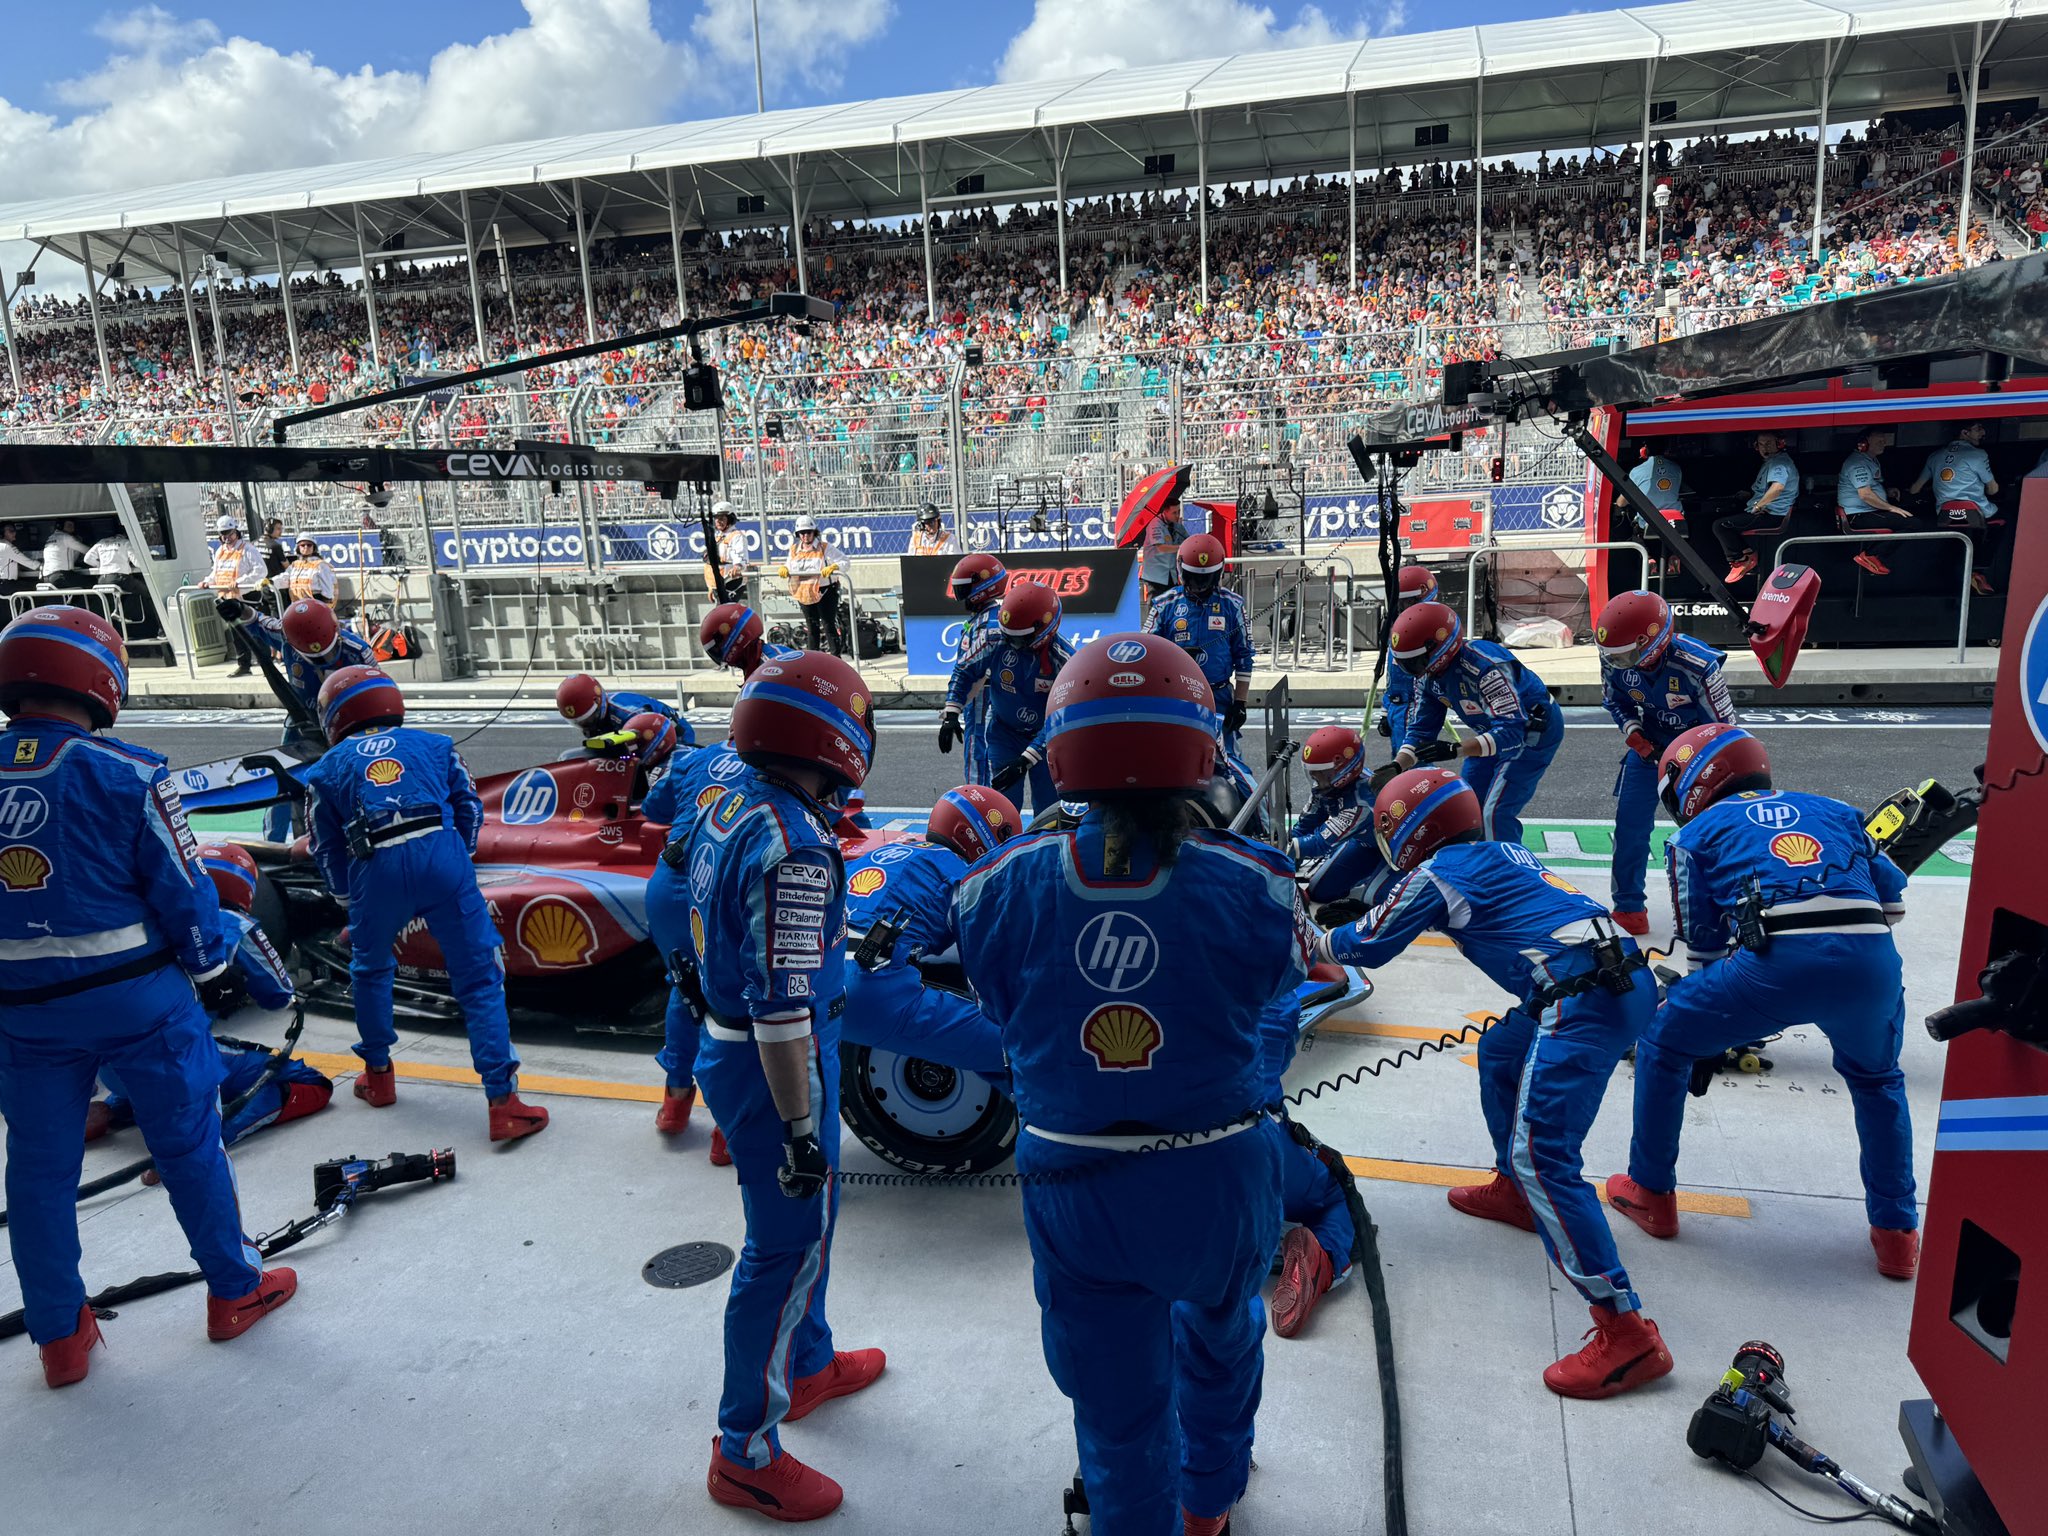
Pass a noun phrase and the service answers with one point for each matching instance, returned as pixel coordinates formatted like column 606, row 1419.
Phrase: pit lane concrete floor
column 484, row 1356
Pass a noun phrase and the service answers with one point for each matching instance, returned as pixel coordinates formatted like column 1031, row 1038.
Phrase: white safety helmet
column 724, row 509
column 226, row 523
column 807, row 525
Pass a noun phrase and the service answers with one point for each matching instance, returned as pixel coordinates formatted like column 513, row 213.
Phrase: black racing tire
column 267, row 907
column 884, row 1094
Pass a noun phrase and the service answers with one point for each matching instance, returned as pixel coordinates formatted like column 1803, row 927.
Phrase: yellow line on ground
column 1374, row 1027
column 1445, row 1175
column 336, row 1065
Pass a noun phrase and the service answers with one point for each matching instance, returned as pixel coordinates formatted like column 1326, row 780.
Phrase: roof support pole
column 1820, row 150
column 369, row 290
column 924, row 214
column 476, row 291
column 92, row 299
column 796, row 229
column 1643, row 190
column 675, row 246
column 7, row 329
column 1202, row 195
column 583, row 261
column 1478, row 184
column 284, row 292
column 1059, row 206
column 1351, row 118
column 191, row 309
column 1969, row 139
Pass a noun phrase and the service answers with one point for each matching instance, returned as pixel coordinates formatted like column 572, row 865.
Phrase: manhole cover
column 687, row 1264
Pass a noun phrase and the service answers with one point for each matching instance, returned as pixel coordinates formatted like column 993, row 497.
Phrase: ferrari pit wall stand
column 1980, row 1315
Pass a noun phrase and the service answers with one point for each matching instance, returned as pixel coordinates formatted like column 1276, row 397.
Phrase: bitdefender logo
column 531, row 466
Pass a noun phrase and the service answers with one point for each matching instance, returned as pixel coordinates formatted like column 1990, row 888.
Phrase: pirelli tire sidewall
column 987, row 1144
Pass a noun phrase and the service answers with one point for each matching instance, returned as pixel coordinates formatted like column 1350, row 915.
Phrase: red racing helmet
column 1202, row 559
column 358, row 699
column 232, row 871
column 1418, row 585
column 807, row 708
column 1421, row 810
column 1710, row 763
column 1427, row 638
column 977, row 580
column 580, row 698
column 1334, row 756
column 1130, row 714
column 973, row 820
column 69, row 653
column 731, row 636
column 1030, row 612
column 310, row 628
column 1633, row 630
column 657, row 735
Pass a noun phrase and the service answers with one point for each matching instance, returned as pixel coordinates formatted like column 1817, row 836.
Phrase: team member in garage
column 1152, row 1174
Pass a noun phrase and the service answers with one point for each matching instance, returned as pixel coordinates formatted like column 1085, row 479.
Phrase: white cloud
column 1078, row 37
column 802, row 38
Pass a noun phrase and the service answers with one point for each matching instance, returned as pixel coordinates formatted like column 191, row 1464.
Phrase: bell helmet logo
column 530, row 799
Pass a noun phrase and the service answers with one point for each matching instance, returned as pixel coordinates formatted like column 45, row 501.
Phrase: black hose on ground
column 1393, row 1485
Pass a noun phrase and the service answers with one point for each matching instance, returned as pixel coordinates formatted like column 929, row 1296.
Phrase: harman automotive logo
column 532, row 466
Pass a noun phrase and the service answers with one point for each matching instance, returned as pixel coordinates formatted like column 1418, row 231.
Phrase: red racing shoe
column 784, row 1490
column 64, row 1360
column 377, row 1086
column 99, row 1120
column 1740, row 570
column 1204, row 1525
column 1624, row 1351
column 303, row 1099
column 1656, row 1214
column 1871, row 563
column 512, row 1118
column 1500, row 1199
column 1634, row 923
column 850, row 1371
column 673, row 1118
column 230, row 1318
column 1306, row 1274
column 720, row 1157
column 1898, row 1253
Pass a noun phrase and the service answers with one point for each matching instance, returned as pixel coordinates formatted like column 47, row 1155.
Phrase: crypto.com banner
column 1098, row 591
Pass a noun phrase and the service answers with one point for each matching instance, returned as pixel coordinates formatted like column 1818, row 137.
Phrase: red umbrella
column 1148, row 498
column 1222, row 522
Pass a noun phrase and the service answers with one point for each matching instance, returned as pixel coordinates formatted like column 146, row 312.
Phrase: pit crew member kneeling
column 1336, row 829
column 752, row 918
column 395, row 819
column 107, row 930
column 258, row 978
column 1656, row 685
column 1514, row 729
column 1786, row 907
column 597, row 711
column 1585, row 997
column 1151, row 1172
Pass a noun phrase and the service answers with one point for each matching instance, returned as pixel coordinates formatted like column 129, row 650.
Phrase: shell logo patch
column 1947, row 475
column 1398, row 809
column 1795, row 848
column 865, row 882
column 1560, row 882
column 1122, row 1037
column 1443, row 634
column 384, row 772
column 858, row 705
column 24, row 869
column 708, row 796
column 697, row 932
column 553, row 932
column 1685, row 753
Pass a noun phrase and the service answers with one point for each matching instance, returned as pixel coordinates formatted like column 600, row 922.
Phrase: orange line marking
column 1444, row 1175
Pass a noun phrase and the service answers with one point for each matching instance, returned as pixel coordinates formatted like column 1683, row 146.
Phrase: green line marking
column 214, row 823
column 1573, row 843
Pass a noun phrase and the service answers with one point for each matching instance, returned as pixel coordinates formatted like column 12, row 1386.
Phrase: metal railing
column 1557, row 546
column 1290, row 600
column 1969, row 567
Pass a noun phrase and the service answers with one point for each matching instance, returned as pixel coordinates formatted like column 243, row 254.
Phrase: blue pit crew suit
column 1214, row 631
column 890, row 1008
column 1015, row 681
column 103, row 905
column 618, row 708
column 1147, row 1265
column 752, row 895
column 1499, row 699
column 1310, row 1195
column 1661, row 703
column 413, row 794
column 303, row 675
column 264, row 979
column 1543, row 1068
column 978, row 633
column 1813, row 864
column 1337, row 828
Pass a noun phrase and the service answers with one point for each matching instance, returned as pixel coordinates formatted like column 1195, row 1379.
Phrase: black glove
column 804, row 1170
column 1383, row 723
column 1234, row 714
column 223, row 993
column 1010, row 773
column 1438, row 751
column 949, row 730
column 232, row 609
column 1383, row 776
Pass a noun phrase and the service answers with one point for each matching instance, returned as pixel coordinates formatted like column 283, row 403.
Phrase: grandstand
column 1060, row 283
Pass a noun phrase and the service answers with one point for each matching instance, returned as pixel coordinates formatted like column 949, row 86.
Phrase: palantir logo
column 1116, row 952
column 529, row 799
column 1773, row 815
column 22, row 812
